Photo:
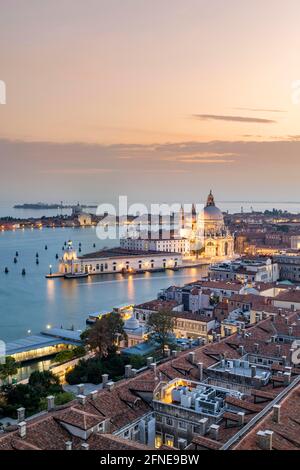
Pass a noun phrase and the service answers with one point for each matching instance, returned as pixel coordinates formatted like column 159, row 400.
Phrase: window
column 169, row 440
column 182, row 425
column 158, row 418
column 169, row 422
column 158, row 440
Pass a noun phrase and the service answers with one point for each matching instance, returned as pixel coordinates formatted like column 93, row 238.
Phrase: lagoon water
column 32, row 302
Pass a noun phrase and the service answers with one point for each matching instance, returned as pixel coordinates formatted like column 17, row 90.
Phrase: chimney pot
column 241, row 416
column 50, row 403
column 203, row 425
column 81, row 399
column 214, row 431
column 68, row 445
column 174, row 353
column 80, row 389
column 104, row 380
column 276, row 413
column 128, row 369
column 21, row 414
column 265, row 439
column 94, row 394
column 22, row 429
column 110, row 385
column 149, row 361
column 200, row 370
column 191, row 357
column 256, row 347
column 241, row 350
column 85, row 446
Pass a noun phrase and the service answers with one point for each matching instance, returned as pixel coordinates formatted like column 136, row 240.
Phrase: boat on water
column 75, row 275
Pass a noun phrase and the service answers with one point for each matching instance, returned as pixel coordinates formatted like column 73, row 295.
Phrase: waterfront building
column 118, row 260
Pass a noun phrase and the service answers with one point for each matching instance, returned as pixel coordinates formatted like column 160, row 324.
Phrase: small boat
column 6, row 270
column 36, row 255
column 23, row 272
column 56, row 256
column 37, row 261
column 75, row 275
column 17, row 254
column 15, row 260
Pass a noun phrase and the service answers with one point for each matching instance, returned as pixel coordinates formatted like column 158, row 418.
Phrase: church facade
column 210, row 237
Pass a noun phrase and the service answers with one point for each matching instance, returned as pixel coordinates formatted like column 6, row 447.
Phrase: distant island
column 42, row 205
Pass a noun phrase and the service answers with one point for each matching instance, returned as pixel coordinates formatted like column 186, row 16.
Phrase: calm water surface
column 31, row 302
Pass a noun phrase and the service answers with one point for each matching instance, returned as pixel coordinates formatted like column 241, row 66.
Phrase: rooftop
column 123, row 252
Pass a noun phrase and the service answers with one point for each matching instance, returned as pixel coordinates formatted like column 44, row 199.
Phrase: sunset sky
column 159, row 100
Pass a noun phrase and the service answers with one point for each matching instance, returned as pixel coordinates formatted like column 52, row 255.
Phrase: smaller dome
column 132, row 323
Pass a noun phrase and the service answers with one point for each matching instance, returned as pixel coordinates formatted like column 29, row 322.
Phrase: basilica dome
column 210, row 219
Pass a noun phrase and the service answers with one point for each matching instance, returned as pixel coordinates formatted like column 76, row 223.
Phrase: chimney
column 241, row 350
column 68, row 445
column 203, row 426
column 21, row 414
column 133, row 372
column 50, row 403
column 265, row 439
column 94, row 394
column 290, row 329
column 190, row 343
column 110, row 385
column 273, row 339
column 273, row 315
column 191, row 357
column 253, row 370
column 181, row 444
column 149, row 361
column 278, row 349
column 200, row 371
column 287, row 378
column 218, row 337
column 256, row 347
column 104, row 380
column 22, row 429
column 167, row 352
column 283, row 360
column 81, row 399
column 276, row 413
column 80, row 389
column 85, row 446
column 174, row 353
column 153, row 367
column 214, row 431
column 128, row 369
column 241, row 416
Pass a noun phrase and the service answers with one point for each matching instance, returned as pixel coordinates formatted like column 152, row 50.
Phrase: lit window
column 169, row 440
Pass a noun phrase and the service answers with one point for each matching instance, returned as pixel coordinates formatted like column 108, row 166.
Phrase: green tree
column 8, row 369
column 44, row 382
column 160, row 326
column 106, row 333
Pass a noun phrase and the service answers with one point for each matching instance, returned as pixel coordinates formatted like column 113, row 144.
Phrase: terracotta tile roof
column 286, row 432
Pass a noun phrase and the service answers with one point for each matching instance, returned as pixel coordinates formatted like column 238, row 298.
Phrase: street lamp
column 50, row 267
